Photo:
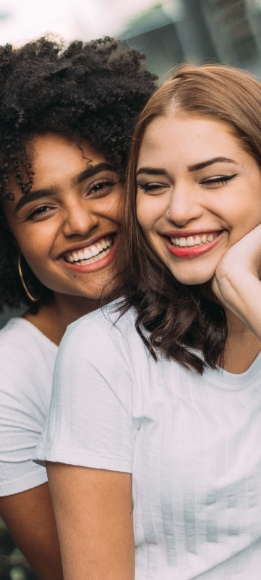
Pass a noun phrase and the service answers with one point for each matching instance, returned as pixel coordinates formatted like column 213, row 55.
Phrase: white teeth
column 94, row 250
column 91, row 254
column 191, row 241
column 87, row 254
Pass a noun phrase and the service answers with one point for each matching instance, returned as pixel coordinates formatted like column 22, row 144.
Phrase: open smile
column 91, row 257
column 191, row 246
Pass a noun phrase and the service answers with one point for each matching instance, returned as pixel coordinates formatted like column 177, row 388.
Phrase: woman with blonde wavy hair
column 153, row 435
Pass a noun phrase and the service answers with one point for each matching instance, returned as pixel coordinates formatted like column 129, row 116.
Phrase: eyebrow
column 204, row 164
column 151, row 171
column 39, row 193
column 91, row 171
column 196, row 167
column 33, row 196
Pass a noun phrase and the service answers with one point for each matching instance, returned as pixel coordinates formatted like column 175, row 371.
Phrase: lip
column 100, row 264
column 193, row 251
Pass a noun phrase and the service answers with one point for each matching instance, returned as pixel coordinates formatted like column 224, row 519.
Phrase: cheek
column 151, row 215
column 120, row 204
column 247, row 204
column 254, row 206
column 115, row 206
column 35, row 246
column 36, row 261
column 145, row 214
column 245, row 216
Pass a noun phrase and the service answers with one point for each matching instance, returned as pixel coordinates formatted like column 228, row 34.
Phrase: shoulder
column 103, row 329
column 24, row 352
column 18, row 332
column 98, row 351
column 107, row 318
column 90, row 418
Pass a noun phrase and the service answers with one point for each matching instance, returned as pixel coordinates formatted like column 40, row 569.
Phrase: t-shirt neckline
column 226, row 380
column 36, row 330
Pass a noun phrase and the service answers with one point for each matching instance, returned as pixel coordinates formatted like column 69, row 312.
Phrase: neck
column 53, row 319
column 242, row 346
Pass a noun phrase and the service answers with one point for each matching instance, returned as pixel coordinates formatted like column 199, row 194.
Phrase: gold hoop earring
column 28, row 293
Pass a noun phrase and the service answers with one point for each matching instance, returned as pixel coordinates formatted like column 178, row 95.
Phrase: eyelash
column 101, row 187
column 38, row 211
column 222, row 180
column 149, row 187
column 157, row 187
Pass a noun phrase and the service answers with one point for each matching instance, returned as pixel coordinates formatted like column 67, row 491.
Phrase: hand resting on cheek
column 237, row 280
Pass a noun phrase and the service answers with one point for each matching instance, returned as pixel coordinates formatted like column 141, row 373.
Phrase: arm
column 30, row 520
column 88, row 444
column 237, row 280
column 93, row 510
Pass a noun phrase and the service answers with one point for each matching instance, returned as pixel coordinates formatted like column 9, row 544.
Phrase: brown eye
column 39, row 211
column 102, row 187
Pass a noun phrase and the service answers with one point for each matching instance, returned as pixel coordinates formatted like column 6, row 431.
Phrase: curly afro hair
column 87, row 92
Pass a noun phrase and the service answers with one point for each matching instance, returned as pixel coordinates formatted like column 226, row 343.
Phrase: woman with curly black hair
column 66, row 117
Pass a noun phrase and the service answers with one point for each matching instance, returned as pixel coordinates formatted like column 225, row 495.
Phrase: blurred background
column 168, row 33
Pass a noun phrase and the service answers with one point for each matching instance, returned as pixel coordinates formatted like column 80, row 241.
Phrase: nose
column 183, row 206
column 78, row 220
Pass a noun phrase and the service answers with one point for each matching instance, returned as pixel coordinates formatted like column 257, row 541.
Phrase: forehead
column 54, row 160
column 55, row 150
column 171, row 134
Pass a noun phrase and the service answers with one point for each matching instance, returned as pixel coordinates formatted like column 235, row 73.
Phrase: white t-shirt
column 26, row 368
column 192, row 444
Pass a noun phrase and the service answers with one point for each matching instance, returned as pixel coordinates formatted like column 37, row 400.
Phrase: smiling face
column 198, row 192
column 66, row 227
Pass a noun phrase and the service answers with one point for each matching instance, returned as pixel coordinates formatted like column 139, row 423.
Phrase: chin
column 190, row 279
column 193, row 282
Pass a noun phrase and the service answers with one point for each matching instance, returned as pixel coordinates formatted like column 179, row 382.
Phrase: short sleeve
column 21, row 423
column 26, row 368
column 90, row 418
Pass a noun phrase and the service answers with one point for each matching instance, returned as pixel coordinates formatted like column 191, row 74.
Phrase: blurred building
column 198, row 31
